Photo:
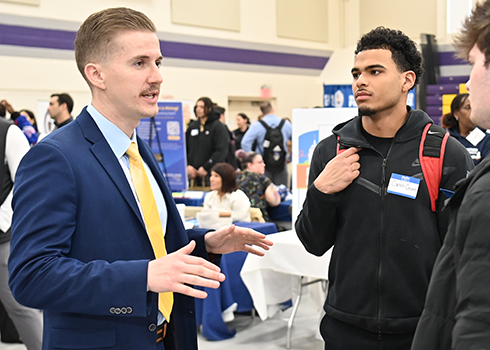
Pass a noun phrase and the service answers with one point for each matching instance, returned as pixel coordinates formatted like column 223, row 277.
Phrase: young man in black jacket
column 385, row 240
column 456, row 314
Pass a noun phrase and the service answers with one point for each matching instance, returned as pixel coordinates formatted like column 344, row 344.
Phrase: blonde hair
column 476, row 30
column 96, row 34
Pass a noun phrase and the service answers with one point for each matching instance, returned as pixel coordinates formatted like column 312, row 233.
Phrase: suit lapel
column 104, row 154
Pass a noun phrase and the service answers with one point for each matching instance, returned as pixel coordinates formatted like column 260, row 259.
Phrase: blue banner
column 165, row 135
column 341, row 96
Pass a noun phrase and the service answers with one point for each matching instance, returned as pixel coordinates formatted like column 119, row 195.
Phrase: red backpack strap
column 431, row 155
column 338, row 146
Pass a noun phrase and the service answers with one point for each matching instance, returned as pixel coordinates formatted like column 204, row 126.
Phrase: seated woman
column 461, row 127
column 256, row 185
column 224, row 194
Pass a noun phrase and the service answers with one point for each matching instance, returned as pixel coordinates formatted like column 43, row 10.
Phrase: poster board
column 166, row 136
column 341, row 96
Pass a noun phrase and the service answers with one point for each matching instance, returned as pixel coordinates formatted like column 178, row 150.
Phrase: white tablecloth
column 273, row 278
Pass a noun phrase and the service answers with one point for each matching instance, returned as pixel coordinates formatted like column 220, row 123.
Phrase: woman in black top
column 243, row 122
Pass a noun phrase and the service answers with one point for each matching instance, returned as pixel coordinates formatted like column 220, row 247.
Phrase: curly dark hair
column 403, row 50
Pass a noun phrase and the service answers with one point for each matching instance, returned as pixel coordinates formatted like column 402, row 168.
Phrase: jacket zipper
column 383, row 194
column 381, row 231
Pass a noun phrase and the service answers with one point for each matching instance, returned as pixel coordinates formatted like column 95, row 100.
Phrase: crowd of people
column 405, row 273
column 214, row 154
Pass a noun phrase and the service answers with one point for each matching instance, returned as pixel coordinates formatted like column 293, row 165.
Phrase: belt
column 161, row 331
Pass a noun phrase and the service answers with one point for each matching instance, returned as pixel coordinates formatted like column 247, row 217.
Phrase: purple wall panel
column 64, row 40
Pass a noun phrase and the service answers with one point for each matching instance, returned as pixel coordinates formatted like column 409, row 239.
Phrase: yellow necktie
column 152, row 218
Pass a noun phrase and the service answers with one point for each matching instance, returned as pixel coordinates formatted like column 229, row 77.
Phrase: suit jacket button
column 112, row 310
column 117, row 311
column 152, row 327
column 124, row 311
column 129, row 309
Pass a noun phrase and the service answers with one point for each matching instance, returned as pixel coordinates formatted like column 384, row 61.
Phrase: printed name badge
column 403, row 185
column 475, row 136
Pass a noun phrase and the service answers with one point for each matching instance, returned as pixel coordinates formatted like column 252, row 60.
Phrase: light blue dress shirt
column 119, row 143
column 257, row 132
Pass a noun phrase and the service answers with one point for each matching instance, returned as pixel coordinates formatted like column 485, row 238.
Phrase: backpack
column 431, row 156
column 274, row 150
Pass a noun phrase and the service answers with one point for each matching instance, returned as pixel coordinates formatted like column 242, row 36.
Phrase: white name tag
column 475, row 136
column 194, row 132
column 403, row 185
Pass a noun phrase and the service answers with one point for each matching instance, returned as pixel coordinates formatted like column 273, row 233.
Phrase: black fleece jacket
column 385, row 245
column 456, row 314
column 207, row 147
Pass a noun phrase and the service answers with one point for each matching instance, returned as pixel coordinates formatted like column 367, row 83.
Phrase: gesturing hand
column 233, row 238
column 339, row 172
column 174, row 271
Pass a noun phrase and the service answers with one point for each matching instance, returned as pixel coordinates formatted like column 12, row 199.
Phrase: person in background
column 230, row 157
column 225, row 195
column 456, row 314
column 27, row 321
column 60, row 108
column 243, row 123
column 8, row 331
column 385, row 239
column 255, row 184
column 256, row 136
column 23, row 120
column 207, row 142
column 462, row 128
column 97, row 241
column 30, row 117
column 221, row 111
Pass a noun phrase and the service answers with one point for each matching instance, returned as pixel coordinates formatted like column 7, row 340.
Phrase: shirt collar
column 117, row 139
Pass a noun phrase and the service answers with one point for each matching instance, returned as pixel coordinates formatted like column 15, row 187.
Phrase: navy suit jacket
column 80, row 250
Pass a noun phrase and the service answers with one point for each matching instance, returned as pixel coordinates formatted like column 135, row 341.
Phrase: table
column 281, row 212
column 231, row 295
column 273, row 278
column 190, row 198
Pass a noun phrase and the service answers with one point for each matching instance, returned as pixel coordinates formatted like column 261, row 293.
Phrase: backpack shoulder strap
column 339, row 150
column 431, row 155
column 264, row 124
column 281, row 124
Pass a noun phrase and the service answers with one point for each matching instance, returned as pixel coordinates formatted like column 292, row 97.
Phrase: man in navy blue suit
column 80, row 250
